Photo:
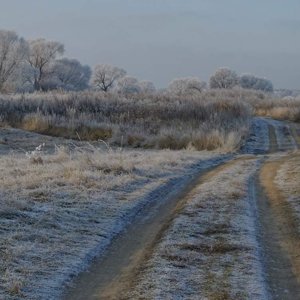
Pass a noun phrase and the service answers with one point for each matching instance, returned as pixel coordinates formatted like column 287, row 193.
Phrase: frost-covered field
column 210, row 250
column 288, row 179
column 59, row 210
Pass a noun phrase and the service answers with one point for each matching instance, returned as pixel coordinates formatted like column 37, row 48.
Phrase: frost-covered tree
column 12, row 51
column 248, row 81
column 40, row 56
column 223, row 78
column 147, row 87
column 105, row 76
column 22, row 78
column 128, row 85
column 264, row 84
column 66, row 74
column 186, row 86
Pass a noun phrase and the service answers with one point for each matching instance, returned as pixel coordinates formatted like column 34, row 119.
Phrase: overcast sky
column 159, row 40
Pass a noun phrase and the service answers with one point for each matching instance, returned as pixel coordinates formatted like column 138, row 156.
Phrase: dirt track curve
column 113, row 274
column 278, row 235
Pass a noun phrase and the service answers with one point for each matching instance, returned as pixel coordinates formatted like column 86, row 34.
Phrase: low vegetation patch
column 281, row 109
column 206, row 122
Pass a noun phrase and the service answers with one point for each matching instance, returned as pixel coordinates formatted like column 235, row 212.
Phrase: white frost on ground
column 258, row 141
column 58, row 212
column 19, row 141
column 210, row 250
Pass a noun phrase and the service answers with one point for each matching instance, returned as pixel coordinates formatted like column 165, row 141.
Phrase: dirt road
column 117, row 272
column 278, row 233
column 114, row 273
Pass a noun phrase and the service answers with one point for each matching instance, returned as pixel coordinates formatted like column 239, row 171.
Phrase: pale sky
column 160, row 40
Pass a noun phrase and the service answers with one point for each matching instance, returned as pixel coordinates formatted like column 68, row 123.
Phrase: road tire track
column 279, row 237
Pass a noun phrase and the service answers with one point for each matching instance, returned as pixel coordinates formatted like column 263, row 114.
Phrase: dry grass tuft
column 280, row 109
column 219, row 295
column 15, row 289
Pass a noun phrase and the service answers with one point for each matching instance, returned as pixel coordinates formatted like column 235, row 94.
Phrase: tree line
column 39, row 65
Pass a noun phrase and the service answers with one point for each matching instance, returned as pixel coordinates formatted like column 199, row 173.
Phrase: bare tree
column 223, row 78
column 12, row 51
column 185, row 86
column 66, row 74
column 147, row 87
column 105, row 76
column 128, row 85
column 41, row 54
